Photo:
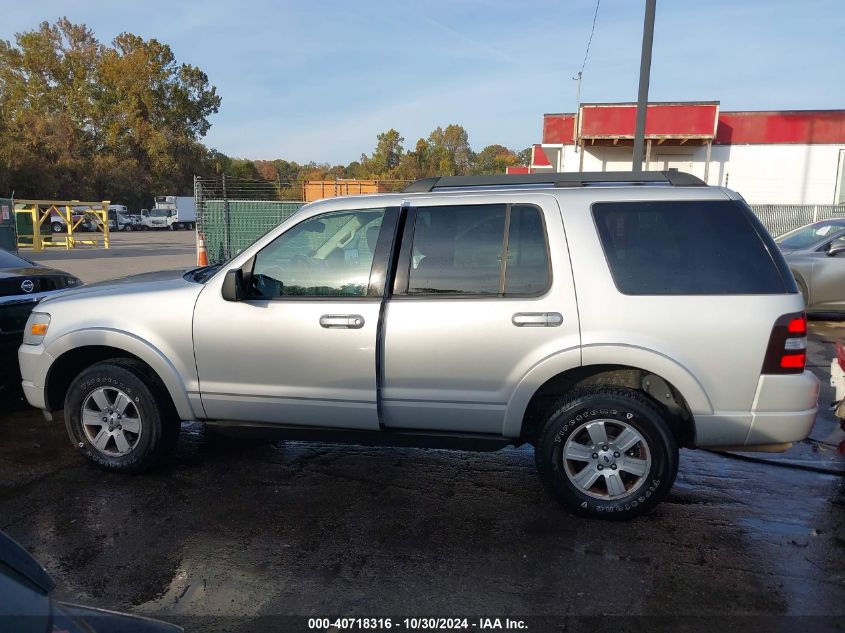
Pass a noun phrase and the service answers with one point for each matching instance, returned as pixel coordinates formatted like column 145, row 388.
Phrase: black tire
column 172, row 227
column 159, row 421
column 619, row 407
column 58, row 227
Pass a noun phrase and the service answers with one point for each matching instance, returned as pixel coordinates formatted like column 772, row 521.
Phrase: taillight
column 787, row 351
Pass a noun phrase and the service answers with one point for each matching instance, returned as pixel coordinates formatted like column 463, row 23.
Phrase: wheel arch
column 653, row 374
column 803, row 286
column 92, row 346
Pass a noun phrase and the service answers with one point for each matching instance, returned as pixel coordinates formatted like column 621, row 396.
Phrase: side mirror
column 835, row 249
column 233, row 285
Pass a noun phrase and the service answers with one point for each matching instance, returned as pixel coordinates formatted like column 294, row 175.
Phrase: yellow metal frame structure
column 41, row 213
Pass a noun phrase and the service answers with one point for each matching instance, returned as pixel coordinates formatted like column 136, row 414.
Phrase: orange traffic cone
column 202, row 254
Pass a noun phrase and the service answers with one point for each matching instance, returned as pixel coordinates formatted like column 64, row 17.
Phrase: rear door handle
column 336, row 321
column 537, row 319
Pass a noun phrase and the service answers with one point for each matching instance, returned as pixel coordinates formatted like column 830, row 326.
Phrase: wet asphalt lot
column 229, row 531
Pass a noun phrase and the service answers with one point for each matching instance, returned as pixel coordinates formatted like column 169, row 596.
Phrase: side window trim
column 406, row 251
column 503, row 268
column 402, row 279
column 380, row 269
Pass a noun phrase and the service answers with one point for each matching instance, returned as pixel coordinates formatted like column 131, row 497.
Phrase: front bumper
column 34, row 363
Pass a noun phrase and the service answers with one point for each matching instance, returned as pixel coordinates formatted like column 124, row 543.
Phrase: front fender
column 136, row 346
column 614, row 354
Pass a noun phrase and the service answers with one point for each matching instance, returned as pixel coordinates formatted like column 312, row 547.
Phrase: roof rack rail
column 558, row 179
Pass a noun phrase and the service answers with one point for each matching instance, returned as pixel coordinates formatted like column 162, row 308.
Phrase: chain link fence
column 782, row 218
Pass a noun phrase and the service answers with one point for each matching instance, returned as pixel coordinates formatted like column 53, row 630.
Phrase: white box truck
column 171, row 212
column 120, row 220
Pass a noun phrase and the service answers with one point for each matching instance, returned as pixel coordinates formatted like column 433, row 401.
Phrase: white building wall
column 763, row 174
column 778, row 174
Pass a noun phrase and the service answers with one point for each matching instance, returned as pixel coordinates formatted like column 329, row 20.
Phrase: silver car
column 607, row 319
column 816, row 256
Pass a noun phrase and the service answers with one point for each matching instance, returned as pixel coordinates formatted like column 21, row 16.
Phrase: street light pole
column 645, row 72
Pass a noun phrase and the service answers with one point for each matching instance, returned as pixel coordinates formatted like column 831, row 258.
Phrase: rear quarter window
column 708, row 247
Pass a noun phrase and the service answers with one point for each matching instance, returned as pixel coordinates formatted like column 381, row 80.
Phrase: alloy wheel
column 111, row 421
column 606, row 459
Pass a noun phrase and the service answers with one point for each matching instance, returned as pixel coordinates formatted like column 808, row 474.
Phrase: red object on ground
column 840, row 354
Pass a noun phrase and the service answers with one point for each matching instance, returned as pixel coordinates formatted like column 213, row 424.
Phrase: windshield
column 7, row 260
column 160, row 213
column 810, row 234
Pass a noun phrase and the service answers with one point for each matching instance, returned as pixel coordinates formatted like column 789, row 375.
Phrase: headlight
column 73, row 281
column 36, row 328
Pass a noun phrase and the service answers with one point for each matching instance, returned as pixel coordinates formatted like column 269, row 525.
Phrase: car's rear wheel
column 119, row 416
column 57, row 227
column 606, row 452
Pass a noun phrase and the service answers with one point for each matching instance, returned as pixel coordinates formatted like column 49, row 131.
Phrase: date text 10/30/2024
column 428, row 624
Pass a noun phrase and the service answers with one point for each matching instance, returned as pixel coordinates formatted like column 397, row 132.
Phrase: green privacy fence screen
column 230, row 226
column 234, row 212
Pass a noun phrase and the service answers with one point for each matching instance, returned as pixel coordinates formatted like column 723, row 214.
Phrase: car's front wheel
column 119, row 416
column 607, row 452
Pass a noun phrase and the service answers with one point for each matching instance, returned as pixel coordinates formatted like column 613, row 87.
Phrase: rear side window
column 479, row 250
column 527, row 266
column 686, row 248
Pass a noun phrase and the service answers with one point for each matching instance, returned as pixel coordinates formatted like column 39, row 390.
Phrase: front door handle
column 348, row 321
column 537, row 319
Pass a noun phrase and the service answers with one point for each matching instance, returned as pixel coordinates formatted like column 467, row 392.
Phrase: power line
column 577, row 77
column 590, row 40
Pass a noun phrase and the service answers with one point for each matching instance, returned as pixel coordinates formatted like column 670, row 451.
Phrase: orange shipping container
column 319, row 189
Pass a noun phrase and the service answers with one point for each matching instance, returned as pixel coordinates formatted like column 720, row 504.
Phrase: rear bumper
column 783, row 411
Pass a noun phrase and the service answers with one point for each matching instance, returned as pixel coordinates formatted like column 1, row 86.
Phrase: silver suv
column 608, row 319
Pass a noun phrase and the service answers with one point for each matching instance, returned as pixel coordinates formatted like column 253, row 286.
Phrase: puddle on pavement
column 762, row 528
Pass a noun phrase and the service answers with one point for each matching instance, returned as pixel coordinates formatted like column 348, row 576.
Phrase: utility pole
column 645, row 72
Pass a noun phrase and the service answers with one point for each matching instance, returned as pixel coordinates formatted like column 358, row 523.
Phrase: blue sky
column 318, row 80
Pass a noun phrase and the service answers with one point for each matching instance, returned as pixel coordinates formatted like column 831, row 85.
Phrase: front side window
column 329, row 255
column 461, row 250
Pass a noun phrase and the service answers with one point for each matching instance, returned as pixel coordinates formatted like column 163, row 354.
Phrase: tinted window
column 669, row 248
column 329, row 255
column 458, row 250
column 527, row 270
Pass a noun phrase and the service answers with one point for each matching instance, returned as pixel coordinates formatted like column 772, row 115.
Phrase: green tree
column 524, row 156
column 388, row 152
column 494, row 159
column 85, row 120
column 449, row 153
